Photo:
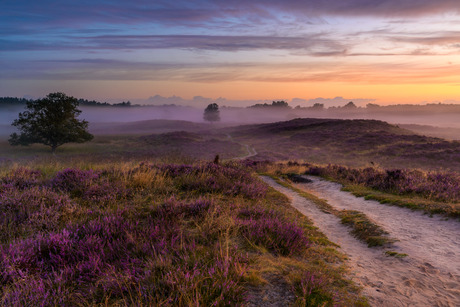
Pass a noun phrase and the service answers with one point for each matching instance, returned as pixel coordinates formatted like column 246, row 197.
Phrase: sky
column 385, row 51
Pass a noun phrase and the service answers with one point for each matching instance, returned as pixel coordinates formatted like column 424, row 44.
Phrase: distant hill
column 440, row 132
column 146, row 127
column 351, row 142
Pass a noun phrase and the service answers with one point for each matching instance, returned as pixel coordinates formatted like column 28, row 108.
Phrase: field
column 358, row 143
column 137, row 218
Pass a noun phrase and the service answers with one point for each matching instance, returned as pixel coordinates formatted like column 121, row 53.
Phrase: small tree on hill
column 211, row 113
column 350, row 105
column 50, row 121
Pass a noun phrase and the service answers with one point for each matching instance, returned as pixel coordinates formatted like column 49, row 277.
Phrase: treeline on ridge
column 10, row 101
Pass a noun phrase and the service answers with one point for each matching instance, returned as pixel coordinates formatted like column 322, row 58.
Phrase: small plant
column 364, row 229
column 311, row 291
column 395, row 254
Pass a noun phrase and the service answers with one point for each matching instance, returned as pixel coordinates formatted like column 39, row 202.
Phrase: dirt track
column 429, row 276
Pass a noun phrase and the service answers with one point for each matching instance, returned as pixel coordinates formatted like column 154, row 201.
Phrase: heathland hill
column 352, row 142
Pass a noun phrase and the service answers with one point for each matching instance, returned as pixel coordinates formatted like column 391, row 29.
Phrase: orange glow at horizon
column 254, row 90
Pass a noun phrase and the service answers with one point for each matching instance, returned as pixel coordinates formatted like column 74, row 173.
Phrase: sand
column 428, row 276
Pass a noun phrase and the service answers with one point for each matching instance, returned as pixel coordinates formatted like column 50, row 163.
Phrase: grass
column 413, row 202
column 78, row 232
column 364, row 229
column 361, row 226
column 181, row 145
column 430, row 192
column 395, row 254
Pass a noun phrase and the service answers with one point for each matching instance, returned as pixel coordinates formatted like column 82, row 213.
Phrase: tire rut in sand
column 387, row 281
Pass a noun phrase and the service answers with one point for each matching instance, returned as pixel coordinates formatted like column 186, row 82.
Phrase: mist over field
column 108, row 120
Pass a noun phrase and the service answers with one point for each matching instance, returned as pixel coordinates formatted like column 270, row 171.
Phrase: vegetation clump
column 363, row 228
column 211, row 113
column 434, row 192
column 51, row 121
column 151, row 234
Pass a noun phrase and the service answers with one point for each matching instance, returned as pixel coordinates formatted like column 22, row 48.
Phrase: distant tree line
column 14, row 101
column 274, row 104
column 5, row 101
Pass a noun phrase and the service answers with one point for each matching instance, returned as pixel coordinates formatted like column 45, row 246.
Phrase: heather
column 436, row 192
column 147, row 234
column 354, row 143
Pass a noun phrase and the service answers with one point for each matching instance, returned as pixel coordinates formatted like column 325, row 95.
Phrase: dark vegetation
column 14, row 101
column 147, row 127
column 444, row 133
column 212, row 113
column 189, row 144
column 350, row 142
column 273, row 105
column 51, row 121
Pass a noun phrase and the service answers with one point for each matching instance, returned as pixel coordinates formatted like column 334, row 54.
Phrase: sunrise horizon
column 385, row 52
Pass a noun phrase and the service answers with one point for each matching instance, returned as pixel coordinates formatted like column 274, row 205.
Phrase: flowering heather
column 432, row 185
column 227, row 179
column 74, row 181
column 22, row 178
column 31, row 209
column 105, row 192
column 174, row 209
column 275, row 234
column 106, row 258
column 170, row 235
column 255, row 212
column 89, row 185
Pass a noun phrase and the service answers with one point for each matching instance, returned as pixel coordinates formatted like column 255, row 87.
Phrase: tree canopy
column 51, row 121
column 211, row 113
column 275, row 104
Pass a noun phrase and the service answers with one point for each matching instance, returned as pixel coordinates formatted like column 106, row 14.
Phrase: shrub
column 435, row 186
column 311, row 291
column 277, row 235
column 74, row 181
column 31, row 209
column 22, row 178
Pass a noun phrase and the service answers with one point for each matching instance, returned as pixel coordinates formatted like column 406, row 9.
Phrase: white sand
column 429, row 276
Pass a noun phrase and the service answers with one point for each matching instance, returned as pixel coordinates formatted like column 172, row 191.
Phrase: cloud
column 201, row 11
column 214, row 72
column 214, row 42
column 313, row 44
column 433, row 38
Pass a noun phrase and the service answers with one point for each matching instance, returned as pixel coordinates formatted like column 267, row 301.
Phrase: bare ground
column 428, row 276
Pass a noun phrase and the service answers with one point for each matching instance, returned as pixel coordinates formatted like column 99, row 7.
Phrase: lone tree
column 50, row 121
column 211, row 113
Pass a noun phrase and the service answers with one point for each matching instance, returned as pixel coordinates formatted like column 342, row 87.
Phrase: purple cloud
column 20, row 14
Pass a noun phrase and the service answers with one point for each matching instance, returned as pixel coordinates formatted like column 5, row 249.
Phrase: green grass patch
column 364, row 229
column 395, row 254
column 411, row 202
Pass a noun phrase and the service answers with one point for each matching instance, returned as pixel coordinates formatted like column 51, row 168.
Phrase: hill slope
column 351, row 142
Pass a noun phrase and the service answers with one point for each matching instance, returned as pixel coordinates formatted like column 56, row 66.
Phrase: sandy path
column 429, row 276
column 251, row 150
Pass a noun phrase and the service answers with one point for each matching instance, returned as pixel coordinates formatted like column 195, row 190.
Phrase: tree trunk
column 53, row 149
